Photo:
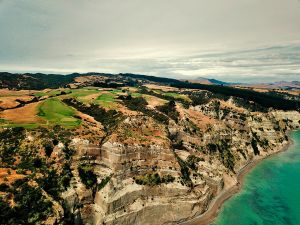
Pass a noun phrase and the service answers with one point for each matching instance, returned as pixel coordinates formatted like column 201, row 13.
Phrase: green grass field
column 76, row 93
column 106, row 100
column 172, row 94
column 136, row 94
column 176, row 95
column 50, row 93
column 24, row 125
column 82, row 94
column 116, row 91
column 57, row 113
column 6, row 123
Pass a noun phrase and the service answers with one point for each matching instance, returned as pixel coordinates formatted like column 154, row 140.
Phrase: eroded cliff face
column 150, row 173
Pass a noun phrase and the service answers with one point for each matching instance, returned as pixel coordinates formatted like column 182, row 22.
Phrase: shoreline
column 208, row 217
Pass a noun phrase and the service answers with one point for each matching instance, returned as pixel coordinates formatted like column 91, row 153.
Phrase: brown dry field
column 7, row 92
column 232, row 106
column 200, row 81
column 158, row 87
column 294, row 92
column 89, row 78
column 123, row 109
column 264, row 88
column 152, row 133
column 10, row 101
column 26, row 114
column 131, row 89
column 90, row 98
column 198, row 118
column 154, row 101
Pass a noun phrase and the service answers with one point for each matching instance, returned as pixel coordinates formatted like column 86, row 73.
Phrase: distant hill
column 287, row 85
column 39, row 81
column 203, row 80
column 34, row 81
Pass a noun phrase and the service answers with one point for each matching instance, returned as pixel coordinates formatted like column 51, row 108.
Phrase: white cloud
column 158, row 37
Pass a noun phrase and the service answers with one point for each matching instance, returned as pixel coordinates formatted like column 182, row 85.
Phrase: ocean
column 270, row 194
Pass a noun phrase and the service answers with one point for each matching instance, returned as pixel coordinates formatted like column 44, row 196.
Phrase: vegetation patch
column 57, row 113
column 184, row 100
column 103, row 182
column 185, row 172
column 116, row 91
column 31, row 207
column 170, row 110
column 87, row 176
column 108, row 118
column 106, row 100
column 77, row 93
column 140, row 104
column 176, row 96
column 9, row 124
column 21, row 117
column 254, row 146
column 153, row 179
column 31, row 177
column 192, row 161
column 263, row 99
column 51, row 93
column 223, row 148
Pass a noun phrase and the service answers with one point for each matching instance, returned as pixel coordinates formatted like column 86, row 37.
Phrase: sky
column 230, row 40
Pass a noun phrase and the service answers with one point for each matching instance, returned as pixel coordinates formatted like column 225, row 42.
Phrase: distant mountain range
column 275, row 85
column 271, row 85
column 41, row 81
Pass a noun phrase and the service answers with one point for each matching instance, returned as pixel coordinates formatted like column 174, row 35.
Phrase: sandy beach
column 212, row 212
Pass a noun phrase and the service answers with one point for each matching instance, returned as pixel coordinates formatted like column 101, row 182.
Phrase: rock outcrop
column 202, row 153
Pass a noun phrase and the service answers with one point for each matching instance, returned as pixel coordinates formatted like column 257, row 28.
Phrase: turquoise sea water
column 271, row 192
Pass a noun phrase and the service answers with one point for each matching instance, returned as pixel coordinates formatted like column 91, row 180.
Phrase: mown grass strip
column 83, row 92
column 57, row 113
column 106, row 100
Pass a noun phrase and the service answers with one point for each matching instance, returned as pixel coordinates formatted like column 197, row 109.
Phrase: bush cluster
column 153, row 179
column 31, row 207
column 140, row 104
column 170, row 110
column 108, row 118
column 87, row 175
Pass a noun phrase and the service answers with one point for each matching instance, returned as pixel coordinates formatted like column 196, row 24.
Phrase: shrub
column 66, row 176
column 31, row 206
column 108, row 118
column 103, row 182
column 168, row 179
column 261, row 99
column 87, row 176
column 254, row 146
column 48, row 149
column 4, row 187
column 152, row 179
column 140, row 104
column 170, row 110
column 192, row 160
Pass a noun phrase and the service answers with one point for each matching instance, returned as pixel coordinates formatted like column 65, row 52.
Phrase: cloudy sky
column 231, row 40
